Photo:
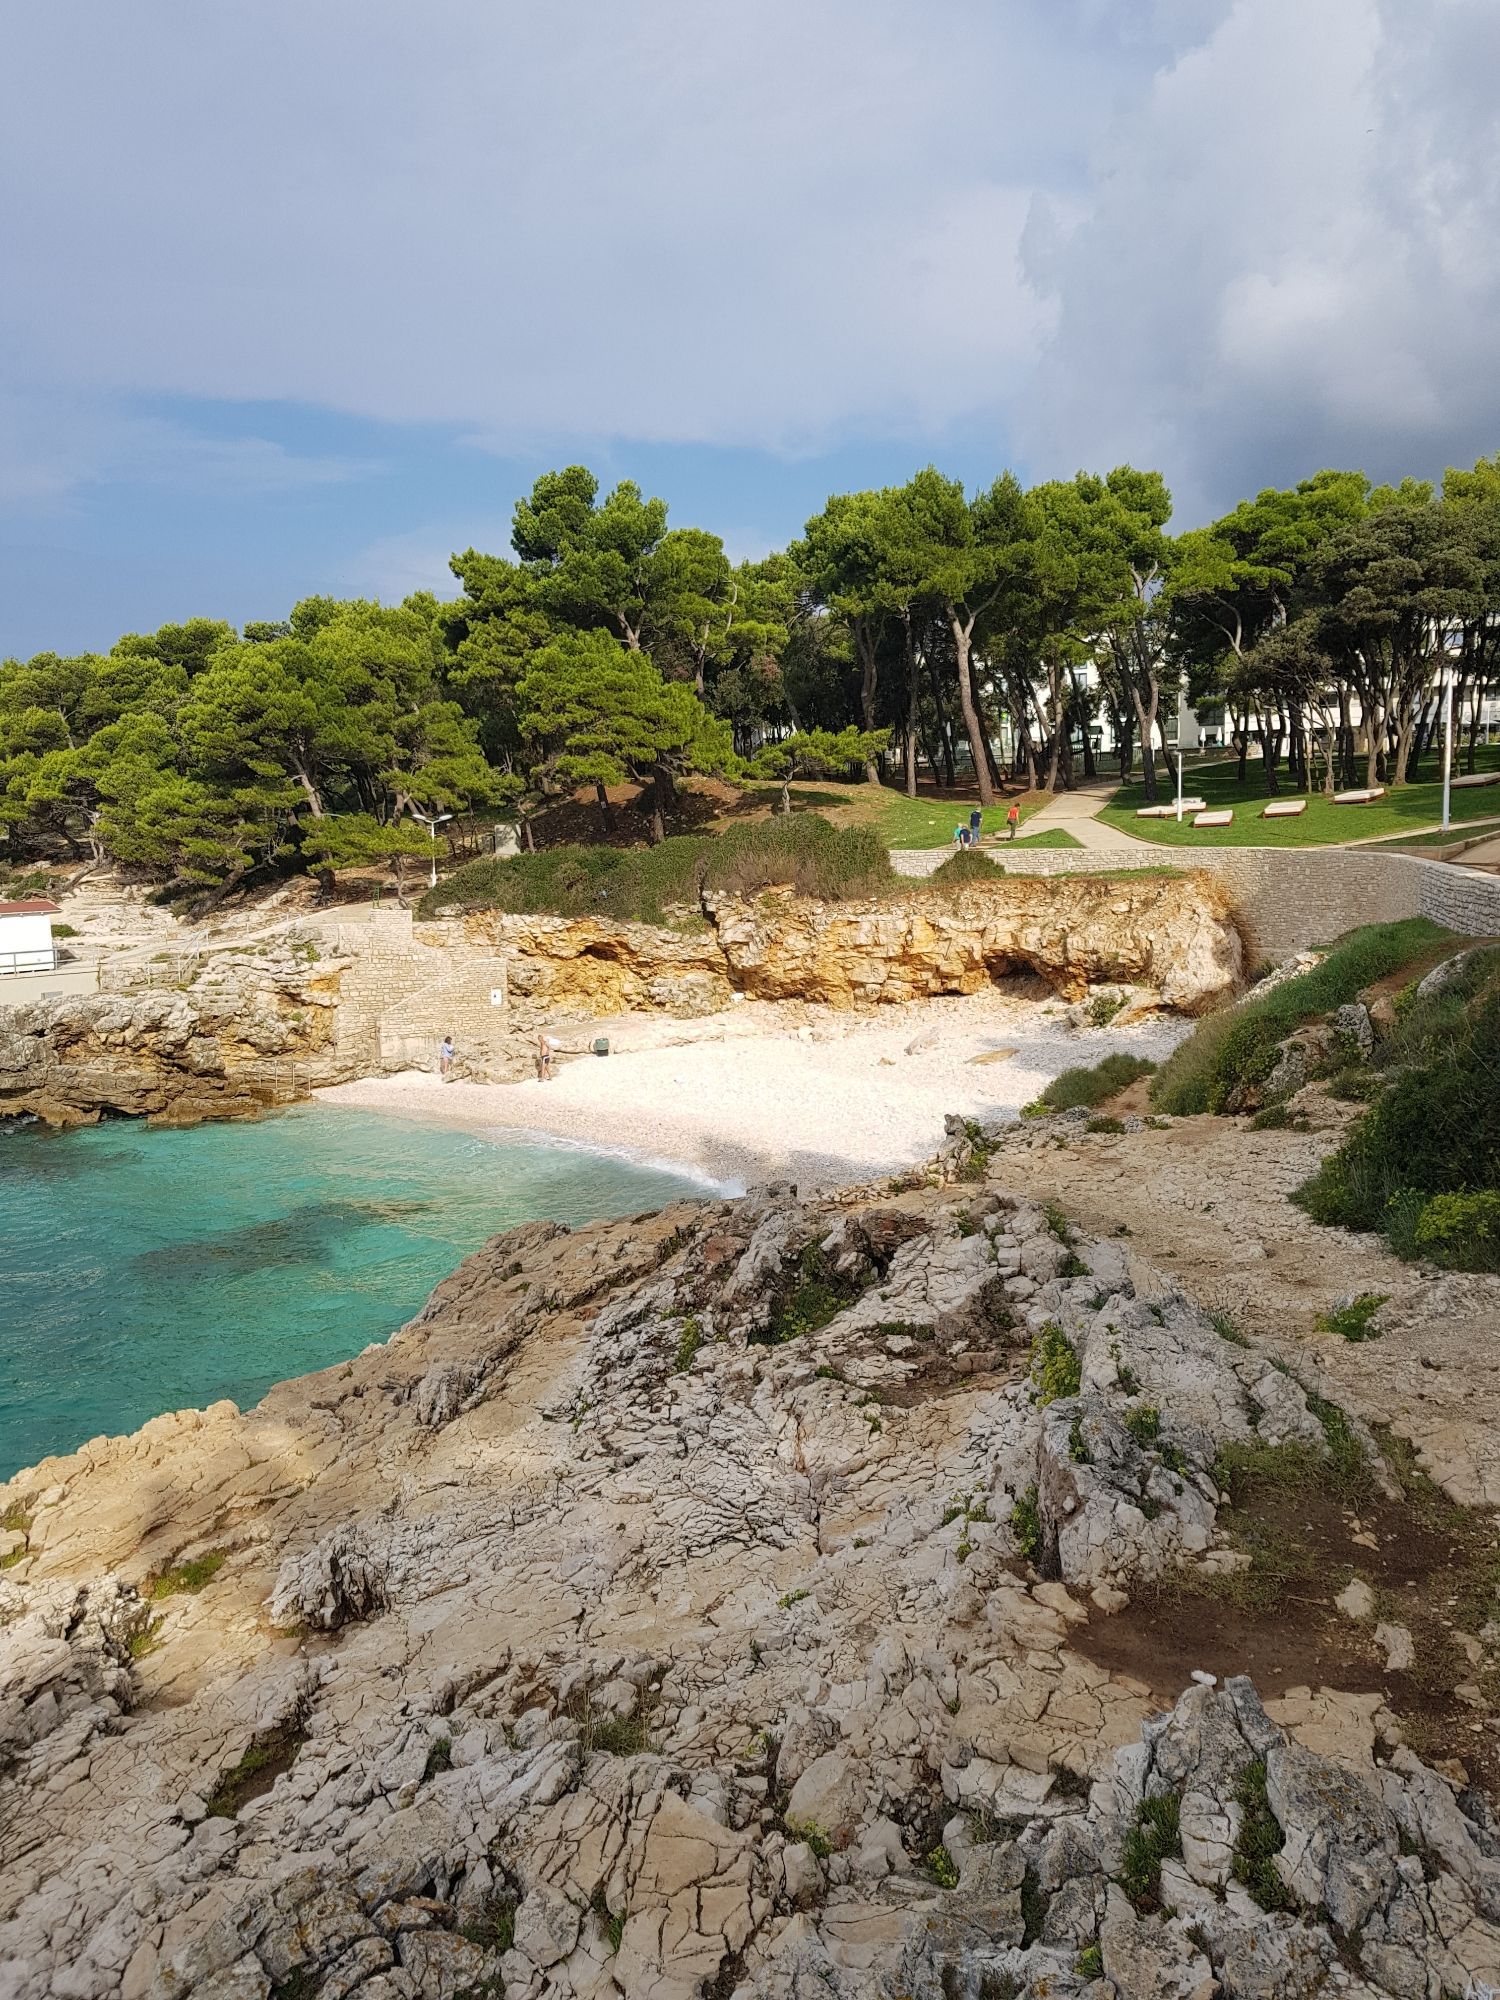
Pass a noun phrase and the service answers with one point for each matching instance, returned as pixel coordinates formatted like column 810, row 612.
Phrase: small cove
column 143, row 1271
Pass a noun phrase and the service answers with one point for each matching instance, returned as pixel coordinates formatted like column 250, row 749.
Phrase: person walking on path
column 976, row 826
column 1012, row 820
column 445, row 1058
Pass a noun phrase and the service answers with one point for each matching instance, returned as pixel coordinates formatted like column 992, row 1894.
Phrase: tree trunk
column 1089, row 772
column 963, row 641
column 864, row 640
column 911, row 712
column 661, row 798
column 604, row 806
column 1054, row 721
column 1146, row 722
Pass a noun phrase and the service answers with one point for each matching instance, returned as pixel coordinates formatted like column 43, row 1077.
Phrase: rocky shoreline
column 230, row 1030
column 713, row 1603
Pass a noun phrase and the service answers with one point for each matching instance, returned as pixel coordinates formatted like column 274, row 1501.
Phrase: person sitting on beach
column 445, row 1058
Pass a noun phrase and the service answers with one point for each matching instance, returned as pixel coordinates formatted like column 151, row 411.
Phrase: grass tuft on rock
column 1352, row 1321
column 1259, row 1841
column 269, row 1755
column 1086, row 1087
column 188, row 1577
column 1156, row 1837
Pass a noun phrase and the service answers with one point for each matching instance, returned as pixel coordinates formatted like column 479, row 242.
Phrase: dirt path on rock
column 1206, row 1200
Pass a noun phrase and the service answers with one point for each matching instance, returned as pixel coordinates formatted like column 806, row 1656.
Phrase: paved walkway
column 1077, row 813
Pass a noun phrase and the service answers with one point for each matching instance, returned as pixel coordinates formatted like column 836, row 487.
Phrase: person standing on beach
column 544, row 1059
column 445, row 1058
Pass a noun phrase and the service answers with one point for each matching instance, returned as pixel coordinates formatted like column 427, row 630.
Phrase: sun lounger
column 1169, row 811
column 1224, row 818
column 1359, row 798
column 1477, row 778
column 1283, row 809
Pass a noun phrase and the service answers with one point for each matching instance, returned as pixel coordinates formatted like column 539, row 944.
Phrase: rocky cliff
column 253, row 1030
column 716, row 1603
column 1172, row 936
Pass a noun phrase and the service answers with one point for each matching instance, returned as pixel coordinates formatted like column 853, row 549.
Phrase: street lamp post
column 1447, row 738
column 432, row 821
column 1181, row 713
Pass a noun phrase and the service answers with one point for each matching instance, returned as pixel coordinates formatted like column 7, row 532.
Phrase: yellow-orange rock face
column 1172, row 935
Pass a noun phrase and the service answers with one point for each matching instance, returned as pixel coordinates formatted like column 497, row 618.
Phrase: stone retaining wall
column 1289, row 898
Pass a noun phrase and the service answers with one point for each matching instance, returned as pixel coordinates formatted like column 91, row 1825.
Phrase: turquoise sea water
column 146, row 1271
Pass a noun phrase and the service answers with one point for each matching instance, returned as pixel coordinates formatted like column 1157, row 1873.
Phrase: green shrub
column 689, row 1340
column 942, row 1867
column 803, row 849
column 1434, row 1131
column 1237, row 1048
column 812, row 1835
column 1090, row 1086
column 819, row 1295
column 1144, row 1425
column 1274, row 1118
column 1026, row 1525
column 964, row 866
column 1056, row 1370
column 1090, row 1962
column 1462, row 1229
column 648, row 884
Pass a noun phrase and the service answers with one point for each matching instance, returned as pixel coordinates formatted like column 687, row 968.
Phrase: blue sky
column 299, row 297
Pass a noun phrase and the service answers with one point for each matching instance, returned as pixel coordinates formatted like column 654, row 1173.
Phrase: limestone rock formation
column 686, row 1605
column 1172, row 936
column 252, row 1030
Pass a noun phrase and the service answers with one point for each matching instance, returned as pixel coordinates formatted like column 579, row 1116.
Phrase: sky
column 298, row 297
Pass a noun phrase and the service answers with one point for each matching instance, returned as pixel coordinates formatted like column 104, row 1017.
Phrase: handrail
column 28, row 961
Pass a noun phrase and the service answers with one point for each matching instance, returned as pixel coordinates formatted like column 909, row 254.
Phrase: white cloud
column 1292, row 257
column 1236, row 238
column 684, row 221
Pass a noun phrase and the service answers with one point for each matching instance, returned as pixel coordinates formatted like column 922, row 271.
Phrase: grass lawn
column 929, row 822
column 1464, row 830
column 1050, row 836
column 1323, row 824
